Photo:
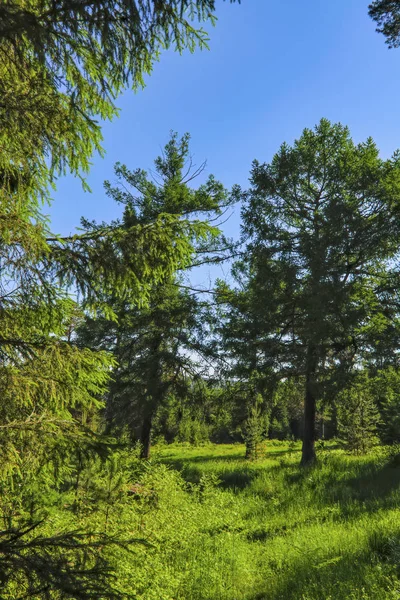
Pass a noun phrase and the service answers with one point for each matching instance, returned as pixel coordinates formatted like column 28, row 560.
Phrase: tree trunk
column 308, row 456
column 145, row 437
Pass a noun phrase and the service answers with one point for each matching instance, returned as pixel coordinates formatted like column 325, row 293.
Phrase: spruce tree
column 255, row 428
column 62, row 65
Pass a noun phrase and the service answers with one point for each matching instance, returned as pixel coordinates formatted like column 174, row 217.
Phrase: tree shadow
column 339, row 574
column 374, row 487
column 270, row 453
column 204, row 459
column 232, row 478
column 237, row 480
column 366, row 486
column 377, row 485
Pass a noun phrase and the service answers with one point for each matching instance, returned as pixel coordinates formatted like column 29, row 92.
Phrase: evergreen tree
column 255, row 428
column 386, row 14
column 63, row 63
column 156, row 345
column 208, row 411
column 358, row 415
column 321, row 226
column 385, row 389
column 53, row 389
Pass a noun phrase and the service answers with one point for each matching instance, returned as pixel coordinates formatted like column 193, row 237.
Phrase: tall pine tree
column 159, row 347
column 320, row 224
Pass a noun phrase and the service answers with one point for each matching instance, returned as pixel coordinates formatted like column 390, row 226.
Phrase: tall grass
column 274, row 531
column 209, row 525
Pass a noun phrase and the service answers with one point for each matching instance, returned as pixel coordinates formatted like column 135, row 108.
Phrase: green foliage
column 158, row 346
column 64, row 63
column 321, row 226
column 386, row 390
column 123, row 261
column 54, row 388
column 69, row 564
column 255, row 429
column 358, row 415
column 208, row 413
column 192, row 430
column 386, row 14
column 287, row 409
column 51, row 392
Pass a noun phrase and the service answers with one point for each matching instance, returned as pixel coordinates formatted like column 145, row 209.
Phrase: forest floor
column 331, row 532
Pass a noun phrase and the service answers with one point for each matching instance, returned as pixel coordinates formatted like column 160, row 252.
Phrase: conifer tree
column 159, row 347
column 385, row 389
column 255, row 428
column 321, row 229
column 62, row 65
column 358, row 415
column 52, row 388
column 386, row 14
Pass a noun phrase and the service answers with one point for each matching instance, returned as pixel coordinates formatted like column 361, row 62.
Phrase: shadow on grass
column 205, row 459
column 293, row 451
column 365, row 486
column 370, row 572
column 377, row 485
column 237, row 478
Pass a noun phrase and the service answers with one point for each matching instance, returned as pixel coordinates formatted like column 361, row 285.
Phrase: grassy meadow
column 223, row 528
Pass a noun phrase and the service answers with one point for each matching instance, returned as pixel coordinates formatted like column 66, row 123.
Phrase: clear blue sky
column 273, row 68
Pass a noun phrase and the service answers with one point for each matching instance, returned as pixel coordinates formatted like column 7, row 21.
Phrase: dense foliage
column 386, row 14
column 62, row 66
column 320, row 224
column 63, row 62
column 107, row 347
column 158, row 347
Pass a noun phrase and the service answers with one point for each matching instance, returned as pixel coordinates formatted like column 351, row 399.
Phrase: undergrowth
column 205, row 524
column 271, row 530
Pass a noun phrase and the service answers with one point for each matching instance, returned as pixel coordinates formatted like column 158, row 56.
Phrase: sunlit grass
column 282, row 532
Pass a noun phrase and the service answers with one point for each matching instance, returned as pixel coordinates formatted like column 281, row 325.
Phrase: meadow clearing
column 269, row 530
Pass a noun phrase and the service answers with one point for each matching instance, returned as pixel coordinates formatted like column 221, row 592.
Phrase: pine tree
column 156, row 345
column 321, row 226
column 386, row 14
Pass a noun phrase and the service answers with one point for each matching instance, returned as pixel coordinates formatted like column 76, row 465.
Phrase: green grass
column 271, row 530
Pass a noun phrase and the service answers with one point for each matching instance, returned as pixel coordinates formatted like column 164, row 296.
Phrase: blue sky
column 273, row 68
